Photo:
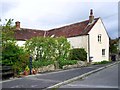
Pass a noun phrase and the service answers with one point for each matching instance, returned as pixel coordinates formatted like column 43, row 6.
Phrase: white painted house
column 89, row 34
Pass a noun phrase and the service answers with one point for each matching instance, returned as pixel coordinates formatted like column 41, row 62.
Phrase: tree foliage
column 114, row 46
column 48, row 48
column 7, row 31
column 15, row 56
column 12, row 54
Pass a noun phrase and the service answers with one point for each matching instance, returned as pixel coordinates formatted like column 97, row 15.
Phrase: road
column 106, row 78
column 47, row 79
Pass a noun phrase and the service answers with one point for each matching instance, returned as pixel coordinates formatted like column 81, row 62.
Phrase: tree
column 15, row 56
column 7, row 31
column 114, row 46
column 12, row 54
column 48, row 48
column 62, row 48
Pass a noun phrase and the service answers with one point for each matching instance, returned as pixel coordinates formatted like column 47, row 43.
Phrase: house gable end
column 101, row 25
column 99, row 41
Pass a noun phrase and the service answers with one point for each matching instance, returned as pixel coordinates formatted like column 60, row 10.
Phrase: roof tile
column 80, row 28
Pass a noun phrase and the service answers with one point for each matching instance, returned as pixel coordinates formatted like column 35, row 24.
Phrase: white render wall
column 79, row 42
column 95, row 46
column 20, row 43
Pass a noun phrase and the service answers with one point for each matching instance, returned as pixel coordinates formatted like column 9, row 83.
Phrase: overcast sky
column 49, row 14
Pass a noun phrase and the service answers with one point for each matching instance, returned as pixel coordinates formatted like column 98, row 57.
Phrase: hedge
column 37, row 64
column 78, row 54
column 66, row 62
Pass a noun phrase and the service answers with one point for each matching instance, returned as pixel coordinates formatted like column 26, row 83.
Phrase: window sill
column 100, row 42
column 103, row 55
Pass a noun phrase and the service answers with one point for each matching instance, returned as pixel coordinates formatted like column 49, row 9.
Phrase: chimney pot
column 91, row 17
column 17, row 23
column 91, row 12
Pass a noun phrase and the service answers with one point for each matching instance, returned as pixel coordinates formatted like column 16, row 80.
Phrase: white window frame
column 99, row 38
column 103, row 52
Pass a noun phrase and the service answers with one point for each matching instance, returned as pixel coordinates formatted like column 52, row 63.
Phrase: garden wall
column 52, row 67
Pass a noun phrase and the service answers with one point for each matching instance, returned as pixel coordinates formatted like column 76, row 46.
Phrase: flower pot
column 26, row 73
column 34, row 71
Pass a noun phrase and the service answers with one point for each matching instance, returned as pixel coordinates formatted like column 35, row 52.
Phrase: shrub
column 102, row 62
column 12, row 54
column 15, row 56
column 67, row 62
column 78, row 54
column 48, row 48
column 40, row 63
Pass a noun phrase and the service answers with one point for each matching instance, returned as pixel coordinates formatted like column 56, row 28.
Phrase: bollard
column 30, row 63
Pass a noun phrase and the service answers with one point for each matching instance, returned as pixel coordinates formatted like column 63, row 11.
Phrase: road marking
column 89, row 86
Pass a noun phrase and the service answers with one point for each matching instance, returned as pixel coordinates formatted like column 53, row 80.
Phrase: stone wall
column 79, row 64
column 46, row 68
column 53, row 68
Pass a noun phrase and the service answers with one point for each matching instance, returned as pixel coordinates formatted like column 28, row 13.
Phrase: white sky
column 49, row 14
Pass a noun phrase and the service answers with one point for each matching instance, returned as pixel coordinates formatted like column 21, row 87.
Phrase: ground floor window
column 103, row 52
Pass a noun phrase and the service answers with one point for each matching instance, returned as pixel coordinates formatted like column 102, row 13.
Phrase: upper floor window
column 99, row 38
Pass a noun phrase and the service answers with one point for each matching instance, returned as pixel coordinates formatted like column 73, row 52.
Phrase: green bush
column 48, row 48
column 40, row 63
column 102, row 62
column 15, row 56
column 66, row 62
column 78, row 54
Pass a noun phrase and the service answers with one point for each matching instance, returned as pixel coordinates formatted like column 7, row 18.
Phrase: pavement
column 47, row 80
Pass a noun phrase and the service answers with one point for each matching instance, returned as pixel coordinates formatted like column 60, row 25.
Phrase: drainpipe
column 45, row 33
column 89, row 48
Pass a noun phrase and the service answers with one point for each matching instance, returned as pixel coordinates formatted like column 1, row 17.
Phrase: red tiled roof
column 77, row 29
column 25, row 34
column 81, row 28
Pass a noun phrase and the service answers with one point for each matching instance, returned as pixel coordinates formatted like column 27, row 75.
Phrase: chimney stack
column 17, row 23
column 91, row 17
